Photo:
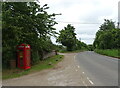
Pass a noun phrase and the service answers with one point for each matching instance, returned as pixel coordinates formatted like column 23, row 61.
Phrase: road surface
column 76, row 69
column 101, row 70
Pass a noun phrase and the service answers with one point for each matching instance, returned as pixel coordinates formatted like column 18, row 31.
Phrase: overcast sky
column 76, row 12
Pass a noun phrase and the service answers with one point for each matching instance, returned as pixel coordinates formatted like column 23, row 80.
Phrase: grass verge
column 75, row 51
column 109, row 52
column 13, row 73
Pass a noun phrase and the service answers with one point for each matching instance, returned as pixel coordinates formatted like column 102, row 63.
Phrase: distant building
column 119, row 14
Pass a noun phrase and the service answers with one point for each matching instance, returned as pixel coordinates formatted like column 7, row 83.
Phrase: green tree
column 29, row 23
column 78, row 45
column 67, row 37
column 107, row 37
column 115, row 38
column 90, row 47
column 107, row 25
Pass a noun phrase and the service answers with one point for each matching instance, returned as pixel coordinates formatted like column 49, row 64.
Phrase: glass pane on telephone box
column 21, row 58
column 28, row 57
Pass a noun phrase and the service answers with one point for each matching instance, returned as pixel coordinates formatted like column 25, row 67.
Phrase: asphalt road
column 101, row 70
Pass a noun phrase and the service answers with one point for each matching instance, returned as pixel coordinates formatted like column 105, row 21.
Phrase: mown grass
column 109, row 52
column 75, row 51
column 13, row 73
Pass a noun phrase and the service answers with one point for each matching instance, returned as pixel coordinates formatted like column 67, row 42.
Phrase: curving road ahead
column 102, row 70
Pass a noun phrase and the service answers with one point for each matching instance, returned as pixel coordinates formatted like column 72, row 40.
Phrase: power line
column 77, row 22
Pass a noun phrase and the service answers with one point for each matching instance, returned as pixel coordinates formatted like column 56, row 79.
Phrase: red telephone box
column 23, row 56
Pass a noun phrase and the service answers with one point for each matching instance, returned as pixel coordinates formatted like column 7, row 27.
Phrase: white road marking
column 74, row 56
column 87, row 78
column 90, row 81
column 84, row 83
column 83, row 72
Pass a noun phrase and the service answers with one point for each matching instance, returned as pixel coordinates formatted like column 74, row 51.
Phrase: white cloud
column 86, row 38
column 83, row 11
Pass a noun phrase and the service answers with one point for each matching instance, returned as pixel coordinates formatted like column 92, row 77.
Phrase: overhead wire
column 77, row 22
column 80, row 22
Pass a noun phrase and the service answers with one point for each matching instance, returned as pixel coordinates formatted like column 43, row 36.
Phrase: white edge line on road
column 74, row 59
column 75, row 56
column 87, row 78
column 90, row 81
column 84, row 83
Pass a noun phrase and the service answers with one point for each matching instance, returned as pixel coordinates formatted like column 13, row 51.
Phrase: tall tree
column 107, row 36
column 67, row 37
column 107, row 25
column 25, row 22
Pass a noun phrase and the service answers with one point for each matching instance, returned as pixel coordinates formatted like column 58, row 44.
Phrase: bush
column 108, row 52
column 35, row 56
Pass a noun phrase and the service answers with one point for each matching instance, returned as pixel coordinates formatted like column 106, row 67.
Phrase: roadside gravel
column 65, row 73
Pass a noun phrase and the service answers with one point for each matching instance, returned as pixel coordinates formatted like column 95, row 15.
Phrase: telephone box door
column 21, row 58
column 28, row 57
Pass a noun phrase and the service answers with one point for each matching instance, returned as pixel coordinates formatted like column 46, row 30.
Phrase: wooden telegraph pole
column 119, row 15
column 118, row 25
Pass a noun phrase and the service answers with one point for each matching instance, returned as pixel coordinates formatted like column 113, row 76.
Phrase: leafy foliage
column 29, row 23
column 67, row 37
column 108, row 37
column 90, row 47
column 107, row 25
